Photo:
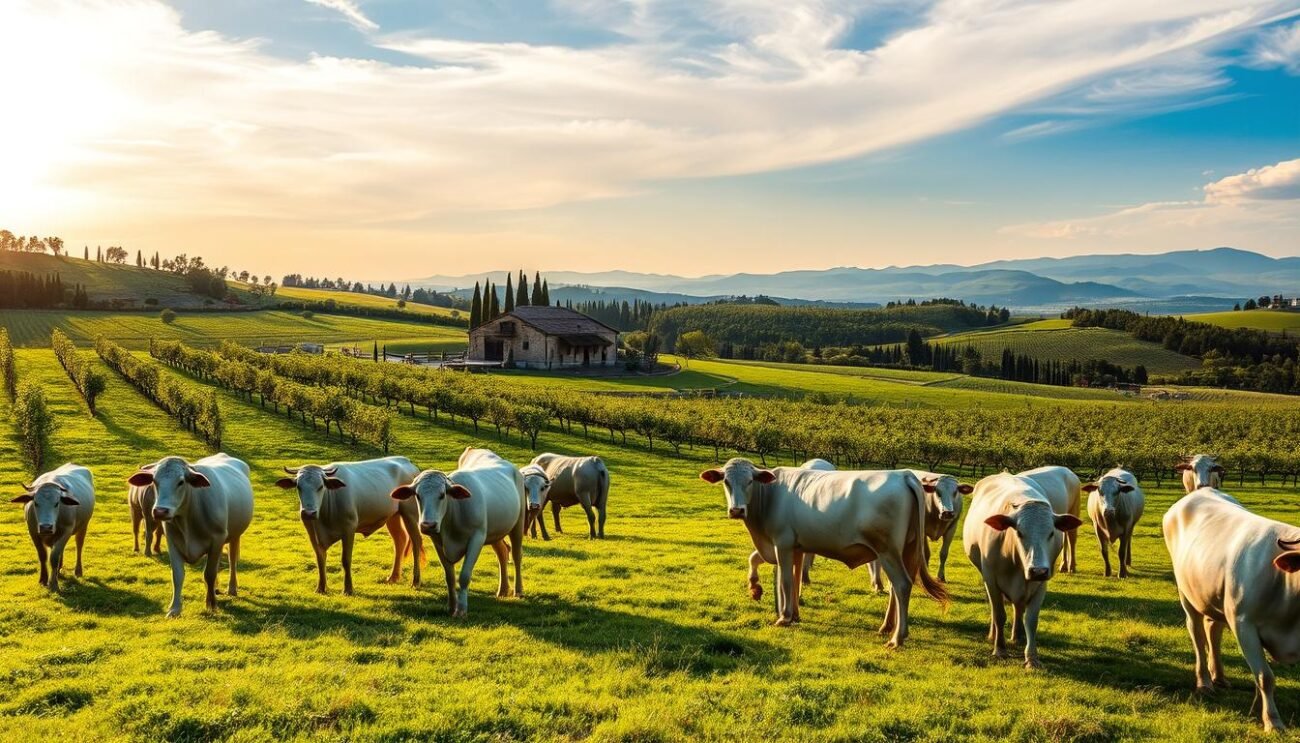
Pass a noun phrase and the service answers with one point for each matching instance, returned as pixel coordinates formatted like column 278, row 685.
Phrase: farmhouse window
column 525, row 345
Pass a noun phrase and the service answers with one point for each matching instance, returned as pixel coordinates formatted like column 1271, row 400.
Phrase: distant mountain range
column 1178, row 281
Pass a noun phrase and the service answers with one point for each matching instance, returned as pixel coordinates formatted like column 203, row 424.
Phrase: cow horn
column 291, row 470
column 28, row 488
column 331, row 471
column 1288, row 544
column 148, row 467
column 61, row 486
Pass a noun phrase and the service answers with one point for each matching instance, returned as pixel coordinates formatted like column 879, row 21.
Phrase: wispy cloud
column 1280, row 47
column 349, row 10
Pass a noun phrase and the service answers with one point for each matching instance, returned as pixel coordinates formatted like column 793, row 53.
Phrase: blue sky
column 387, row 138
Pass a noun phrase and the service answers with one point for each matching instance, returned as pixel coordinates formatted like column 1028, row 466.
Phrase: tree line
column 197, row 411
column 486, row 306
column 24, row 290
column 88, row 381
column 418, row 296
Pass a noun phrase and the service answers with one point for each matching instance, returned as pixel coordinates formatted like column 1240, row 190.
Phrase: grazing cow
column 1063, row 489
column 141, row 501
column 853, row 517
column 1013, row 535
column 481, row 502
column 537, row 486
column 58, row 506
column 943, row 506
column 1200, row 471
column 756, row 557
column 337, row 501
column 1115, row 503
column 203, row 507
column 1238, row 570
column 580, row 481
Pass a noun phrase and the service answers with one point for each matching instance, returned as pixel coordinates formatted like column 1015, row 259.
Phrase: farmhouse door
column 586, row 356
column 494, row 351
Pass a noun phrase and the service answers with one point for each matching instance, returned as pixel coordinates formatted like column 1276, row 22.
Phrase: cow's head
column 1040, row 532
column 312, row 482
column 45, row 499
column 173, row 479
column 738, row 477
column 1289, row 560
column 538, row 487
column 1109, row 489
column 1205, row 468
column 432, row 490
column 943, row 497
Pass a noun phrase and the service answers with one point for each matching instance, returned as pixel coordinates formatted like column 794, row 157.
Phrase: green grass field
column 355, row 299
column 1272, row 320
column 1055, row 340
column 109, row 281
column 32, row 328
column 647, row 636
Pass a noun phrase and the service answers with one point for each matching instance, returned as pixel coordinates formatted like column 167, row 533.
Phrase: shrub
column 35, row 425
column 150, row 302
column 88, row 382
column 168, row 316
column 8, row 372
column 308, row 314
column 401, row 304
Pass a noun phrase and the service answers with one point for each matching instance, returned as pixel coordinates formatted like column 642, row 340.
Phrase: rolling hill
column 127, row 284
column 1275, row 321
column 1056, row 340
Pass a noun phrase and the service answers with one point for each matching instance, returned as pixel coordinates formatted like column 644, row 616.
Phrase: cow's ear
column 68, row 500
column 403, row 492
column 712, row 477
column 459, row 492
column 1287, row 562
column 766, row 477
column 24, row 498
column 1000, row 521
column 286, row 482
column 928, row 486
column 141, row 479
column 197, row 480
column 1217, row 468
column 965, row 489
column 1089, row 488
column 1182, row 467
column 1067, row 522
column 1125, row 488
column 333, row 483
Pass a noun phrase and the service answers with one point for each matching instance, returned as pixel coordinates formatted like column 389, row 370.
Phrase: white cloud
column 1271, row 182
column 349, row 10
column 1280, row 47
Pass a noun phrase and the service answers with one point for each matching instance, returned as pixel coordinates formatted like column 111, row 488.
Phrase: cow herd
column 1233, row 569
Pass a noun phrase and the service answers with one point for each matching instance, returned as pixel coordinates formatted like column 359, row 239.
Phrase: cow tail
column 604, row 483
column 919, row 570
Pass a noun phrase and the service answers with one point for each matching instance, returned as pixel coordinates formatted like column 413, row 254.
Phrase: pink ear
column 24, row 498
column 711, row 476
column 286, row 483
column 1125, row 488
column 766, row 477
column 402, row 493
column 1089, row 488
column 1287, row 562
column 1182, row 467
column 197, row 480
column 965, row 489
column 141, row 479
column 68, row 500
column 1068, row 522
column 459, row 492
column 333, row 483
column 1000, row 521
column 928, row 486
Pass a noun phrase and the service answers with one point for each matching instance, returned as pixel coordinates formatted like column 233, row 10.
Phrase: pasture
column 356, row 299
column 111, row 281
column 649, row 635
column 1056, row 340
column 1271, row 320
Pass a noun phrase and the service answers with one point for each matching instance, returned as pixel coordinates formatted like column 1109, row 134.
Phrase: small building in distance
column 541, row 337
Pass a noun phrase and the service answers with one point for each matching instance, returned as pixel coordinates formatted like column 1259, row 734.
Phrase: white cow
column 339, row 500
column 1063, row 490
column 943, row 505
column 1115, row 504
column 537, row 486
column 1200, row 471
column 577, row 481
column 141, row 501
column 57, row 507
column 756, row 557
column 204, row 507
column 1238, row 570
column 481, row 502
column 853, row 517
column 1013, row 535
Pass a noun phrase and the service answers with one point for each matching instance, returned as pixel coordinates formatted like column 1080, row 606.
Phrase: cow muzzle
column 307, row 515
column 1109, row 513
column 736, row 513
column 947, row 515
column 162, row 514
column 1038, row 574
column 429, row 529
column 534, row 507
column 45, row 529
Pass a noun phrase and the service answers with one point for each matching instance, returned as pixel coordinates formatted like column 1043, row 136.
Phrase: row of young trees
column 8, row 371
column 418, row 296
column 12, row 243
column 485, row 306
column 315, row 405
column 88, row 381
column 196, row 409
column 24, row 290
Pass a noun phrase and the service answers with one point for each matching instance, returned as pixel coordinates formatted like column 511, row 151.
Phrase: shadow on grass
column 96, row 597
column 663, row 646
column 303, row 621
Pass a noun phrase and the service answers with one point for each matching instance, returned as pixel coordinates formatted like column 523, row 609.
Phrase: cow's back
column 369, row 483
column 227, row 505
column 79, row 481
column 1061, row 486
column 572, row 475
column 830, row 511
column 496, row 499
column 1221, row 553
column 995, row 552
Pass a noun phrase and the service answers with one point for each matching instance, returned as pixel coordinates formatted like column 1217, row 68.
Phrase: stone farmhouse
column 542, row 337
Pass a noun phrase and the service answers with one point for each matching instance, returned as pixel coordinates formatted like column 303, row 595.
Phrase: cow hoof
column 173, row 613
column 1000, row 654
column 1205, row 691
column 783, row 622
column 1032, row 664
column 347, row 592
column 1222, row 683
column 755, row 591
column 320, row 590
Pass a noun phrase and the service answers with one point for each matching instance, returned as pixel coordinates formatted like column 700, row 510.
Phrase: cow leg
column 785, row 578
column 1017, row 623
column 943, row 553
column 1124, row 541
column 602, row 511
column 555, row 514
column 232, row 582
column 449, row 569
column 900, row 591
column 398, row 533
column 591, row 520
column 472, row 551
column 1105, row 552
column 56, row 562
column 1128, row 550
column 349, row 539
column 136, row 517
column 503, row 559
column 997, row 621
column 178, row 578
column 806, row 577
column 1200, row 645
column 410, row 524
column 1031, row 627
column 877, row 585
column 210, row 577
column 81, row 543
column 796, row 585
column 42, row 556
column 1253, row 650
column 152, row 527
column 1214, row 632
column 1068, row 557
column 517, row 557
column 539, row 521
column 755, row 587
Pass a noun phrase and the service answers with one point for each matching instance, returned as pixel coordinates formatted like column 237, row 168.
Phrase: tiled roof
column 558, row 320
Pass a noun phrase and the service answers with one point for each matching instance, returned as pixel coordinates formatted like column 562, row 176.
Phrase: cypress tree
column 375, row 353
column 510, row 295
column 139, row 259
column 521, row 296
column 85, row 252
column 476, row 309
column 494, row 304
column 537, row 298
column 99, row 253
column 546, row 292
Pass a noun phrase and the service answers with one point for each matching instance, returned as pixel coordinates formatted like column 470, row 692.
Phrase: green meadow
column 1056, row 340
column 649, row 635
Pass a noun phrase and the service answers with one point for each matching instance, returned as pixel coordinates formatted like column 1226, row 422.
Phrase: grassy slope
column 109, row 281
column 32, row 328
column 1056, row 340
column 357, row 300
column 1275, row 321
column 649, row 635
